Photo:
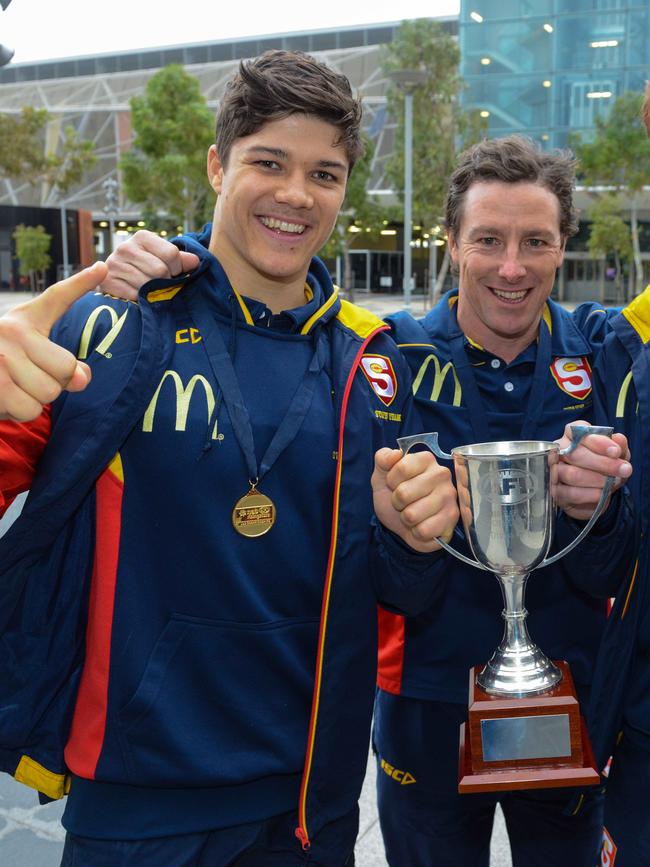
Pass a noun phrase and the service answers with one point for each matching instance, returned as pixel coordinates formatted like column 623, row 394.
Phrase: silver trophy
column 505, row 495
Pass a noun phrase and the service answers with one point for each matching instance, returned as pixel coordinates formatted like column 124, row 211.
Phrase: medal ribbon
column 224, row 372
column 478, row 413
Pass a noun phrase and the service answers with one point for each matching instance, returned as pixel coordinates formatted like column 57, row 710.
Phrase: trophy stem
column 517, row 666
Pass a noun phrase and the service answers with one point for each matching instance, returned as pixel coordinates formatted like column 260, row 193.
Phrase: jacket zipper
column 301, row 831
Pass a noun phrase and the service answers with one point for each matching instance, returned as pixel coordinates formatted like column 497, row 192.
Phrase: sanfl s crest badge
column 608, row 850
column 381, row 376
column 573, row 375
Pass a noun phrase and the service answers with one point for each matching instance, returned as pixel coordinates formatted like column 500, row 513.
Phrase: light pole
column 110, row 187
column 65, row 268
column 408, row 80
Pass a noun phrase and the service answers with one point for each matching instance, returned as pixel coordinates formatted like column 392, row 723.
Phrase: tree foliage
column 440, row 125
column 32, row 251
column 24, row 157
column 358, row 210
column 165, row 171
column 617, row 156
column 609, row 234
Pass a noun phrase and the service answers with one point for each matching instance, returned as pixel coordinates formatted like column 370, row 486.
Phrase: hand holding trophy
column 525, row 729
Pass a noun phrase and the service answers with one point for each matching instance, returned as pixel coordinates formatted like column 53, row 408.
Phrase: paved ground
column 32, row 836
column 380, row 303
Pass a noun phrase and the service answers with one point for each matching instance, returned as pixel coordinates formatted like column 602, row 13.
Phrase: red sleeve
column 21, row 446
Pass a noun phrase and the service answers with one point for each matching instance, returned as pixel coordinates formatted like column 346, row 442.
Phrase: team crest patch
column 608, row 851
column 573, row 375
column 381, row 376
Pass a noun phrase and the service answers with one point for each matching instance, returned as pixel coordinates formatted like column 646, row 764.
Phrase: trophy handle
column 430, row 440
column 578, row 432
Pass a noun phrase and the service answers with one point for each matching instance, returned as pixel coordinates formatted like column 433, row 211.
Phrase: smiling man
column 496, row 359
column 188, row 600
column 507, row 249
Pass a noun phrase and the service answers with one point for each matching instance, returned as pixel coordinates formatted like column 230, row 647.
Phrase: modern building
column 551, row 67
column 541, row 67
column 92, row 94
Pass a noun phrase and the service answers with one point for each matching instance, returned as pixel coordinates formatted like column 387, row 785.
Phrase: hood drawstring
column 232, row 346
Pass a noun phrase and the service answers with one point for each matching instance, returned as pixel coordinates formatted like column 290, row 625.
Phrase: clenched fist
column 414, row 497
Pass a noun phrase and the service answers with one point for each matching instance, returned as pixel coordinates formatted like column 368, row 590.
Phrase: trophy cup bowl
column 507, row 512
column 525, row 729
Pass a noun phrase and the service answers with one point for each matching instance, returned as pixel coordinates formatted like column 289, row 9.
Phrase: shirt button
column 509, row 386
column 495, row 363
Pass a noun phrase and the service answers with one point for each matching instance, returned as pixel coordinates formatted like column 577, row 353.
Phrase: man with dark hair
column 188, row 599
column 496, row 359
column 620, row 707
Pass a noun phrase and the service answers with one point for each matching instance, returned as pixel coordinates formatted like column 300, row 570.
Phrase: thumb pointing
column 45, row 310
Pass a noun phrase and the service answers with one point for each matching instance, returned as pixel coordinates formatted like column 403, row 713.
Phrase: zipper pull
column 305, row 842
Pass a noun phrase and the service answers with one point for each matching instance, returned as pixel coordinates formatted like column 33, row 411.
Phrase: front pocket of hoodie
column 221, row 703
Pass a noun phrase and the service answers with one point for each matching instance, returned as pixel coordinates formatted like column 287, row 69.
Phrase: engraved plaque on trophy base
column 517, row 742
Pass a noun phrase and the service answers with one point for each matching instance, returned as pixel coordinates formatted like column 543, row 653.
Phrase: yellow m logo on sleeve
column 86, row 335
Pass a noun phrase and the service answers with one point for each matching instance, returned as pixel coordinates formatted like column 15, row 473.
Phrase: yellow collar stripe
column 244, row 308
column 622, row 395
column 406, row 345
column 308, row 296
column 637, row 314
column 163, row 294
column 320, row 312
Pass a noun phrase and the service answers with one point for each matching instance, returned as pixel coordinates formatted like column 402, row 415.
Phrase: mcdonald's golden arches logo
column 183, row 397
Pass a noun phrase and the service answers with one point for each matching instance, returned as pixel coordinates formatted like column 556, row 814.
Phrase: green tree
column 32, row 252
column 609, row 234
column 358, row 211
column 439, row 123
column 617, row 156
column 24, row 157
column 165, row 171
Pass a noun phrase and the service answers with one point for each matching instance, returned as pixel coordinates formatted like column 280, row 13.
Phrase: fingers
column 412, row 478
column 580, row 475
column 33, row 370
column 34, row 374
column 145, row 256
column 414, row 497
column 600, row 454
column 385, row 459
column 189, row 261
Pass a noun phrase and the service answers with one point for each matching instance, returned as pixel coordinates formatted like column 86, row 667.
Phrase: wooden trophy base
column 539, row 742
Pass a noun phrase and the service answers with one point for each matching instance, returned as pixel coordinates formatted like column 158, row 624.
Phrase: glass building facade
column 550, row 67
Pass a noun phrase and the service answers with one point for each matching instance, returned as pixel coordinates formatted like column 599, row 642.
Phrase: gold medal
column 254, row 514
